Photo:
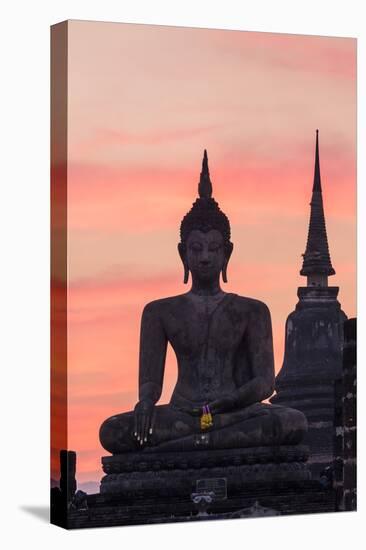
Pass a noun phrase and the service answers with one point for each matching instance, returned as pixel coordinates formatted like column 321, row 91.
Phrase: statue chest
column 206, row 331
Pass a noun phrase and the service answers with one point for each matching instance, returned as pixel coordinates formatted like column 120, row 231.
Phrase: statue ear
column 228, row 251
column 182, row 254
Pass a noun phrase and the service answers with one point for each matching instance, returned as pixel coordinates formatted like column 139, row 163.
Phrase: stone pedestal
column 142, row 488
column 223, row 472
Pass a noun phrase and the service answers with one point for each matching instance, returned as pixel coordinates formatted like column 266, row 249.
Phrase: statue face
column 205, row 254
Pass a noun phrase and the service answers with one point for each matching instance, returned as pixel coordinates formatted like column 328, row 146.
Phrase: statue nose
column 205, row 259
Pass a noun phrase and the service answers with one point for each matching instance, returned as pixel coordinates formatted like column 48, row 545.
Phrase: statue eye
column 196, row 247
column 213, row 247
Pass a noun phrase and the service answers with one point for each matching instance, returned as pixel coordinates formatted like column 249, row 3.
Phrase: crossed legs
column 173, row 430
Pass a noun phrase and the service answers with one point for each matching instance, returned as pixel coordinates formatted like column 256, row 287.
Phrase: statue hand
column 143, row 414
column 225, row 403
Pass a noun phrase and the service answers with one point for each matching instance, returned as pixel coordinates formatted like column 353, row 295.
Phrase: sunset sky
column 143, row 103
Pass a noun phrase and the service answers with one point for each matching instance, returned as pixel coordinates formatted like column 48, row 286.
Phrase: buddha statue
column 223, row 344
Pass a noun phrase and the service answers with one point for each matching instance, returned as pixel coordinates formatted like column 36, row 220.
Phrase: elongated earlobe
column 182, row 250
column 186, row 274
column 229, row 248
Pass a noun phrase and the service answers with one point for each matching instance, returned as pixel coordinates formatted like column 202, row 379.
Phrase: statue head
column 205, row 246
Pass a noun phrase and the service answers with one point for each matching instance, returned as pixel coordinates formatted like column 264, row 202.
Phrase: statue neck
column 208, row 289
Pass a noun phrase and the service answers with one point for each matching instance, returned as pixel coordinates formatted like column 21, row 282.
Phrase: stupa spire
column 317, row 186
column 317, row 265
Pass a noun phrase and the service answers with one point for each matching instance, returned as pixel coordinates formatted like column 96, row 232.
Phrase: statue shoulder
column 251, row 305
column 161, row 305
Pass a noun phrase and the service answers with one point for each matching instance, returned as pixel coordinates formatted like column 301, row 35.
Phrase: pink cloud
column 107, row 137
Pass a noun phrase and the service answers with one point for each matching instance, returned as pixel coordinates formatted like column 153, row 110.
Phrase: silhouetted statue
column 224, row 350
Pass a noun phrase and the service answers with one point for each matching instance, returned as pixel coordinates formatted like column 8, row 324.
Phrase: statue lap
column 259, row 424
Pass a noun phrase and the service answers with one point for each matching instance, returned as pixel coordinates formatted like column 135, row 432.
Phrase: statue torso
column 207, row 334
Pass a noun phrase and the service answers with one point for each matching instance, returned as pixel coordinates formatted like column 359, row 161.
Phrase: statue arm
column 153, row 347
column 259, row 348
column 259, row 343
